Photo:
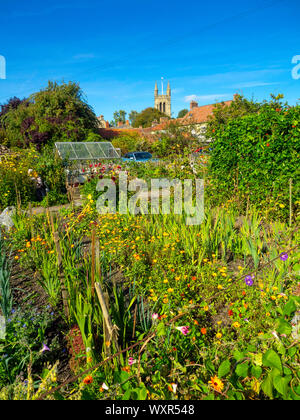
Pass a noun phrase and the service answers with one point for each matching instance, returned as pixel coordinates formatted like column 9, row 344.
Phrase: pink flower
column 184, row 330
column 131, row 361
column 155, row 316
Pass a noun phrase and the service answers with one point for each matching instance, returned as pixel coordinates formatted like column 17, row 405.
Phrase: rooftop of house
column 196, row 115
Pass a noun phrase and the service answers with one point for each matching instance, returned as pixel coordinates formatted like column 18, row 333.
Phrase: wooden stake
column 64, row 292
column 111, row 329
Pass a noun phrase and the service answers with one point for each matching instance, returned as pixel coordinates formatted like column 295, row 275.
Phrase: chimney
column 127, row 123
column 106, row 124
column 120, row 123
column 193, row 104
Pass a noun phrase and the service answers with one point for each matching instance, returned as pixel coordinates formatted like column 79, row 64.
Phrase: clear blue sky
column 209, row 50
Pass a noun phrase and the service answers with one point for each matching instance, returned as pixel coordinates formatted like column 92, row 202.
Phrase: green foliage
column 56, row 113
column 182, row 113
column 174, row 140
column 128, row 142
column 16, row 185
column 257, row 154
column 6, row 299
column 118, row 117
column 147, row 116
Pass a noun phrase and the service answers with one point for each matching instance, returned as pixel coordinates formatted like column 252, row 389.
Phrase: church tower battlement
column 163, row 102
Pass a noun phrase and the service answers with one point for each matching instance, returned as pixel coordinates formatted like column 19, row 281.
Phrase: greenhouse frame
column 86, row 151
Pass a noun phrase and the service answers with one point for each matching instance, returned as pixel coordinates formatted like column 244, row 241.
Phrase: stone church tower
column 163, row 102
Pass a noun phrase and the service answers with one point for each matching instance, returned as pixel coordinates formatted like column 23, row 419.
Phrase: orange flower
column 88, row 380
column 216, row 383
column 203, row 331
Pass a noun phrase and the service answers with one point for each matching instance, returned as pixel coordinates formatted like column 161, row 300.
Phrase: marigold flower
column 203, row 331
column 216, row 383
column 88, row 380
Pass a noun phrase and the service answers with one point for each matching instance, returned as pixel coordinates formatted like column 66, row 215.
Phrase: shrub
column 257, row 154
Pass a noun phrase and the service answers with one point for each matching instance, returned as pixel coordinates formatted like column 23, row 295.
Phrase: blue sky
column 116, row 50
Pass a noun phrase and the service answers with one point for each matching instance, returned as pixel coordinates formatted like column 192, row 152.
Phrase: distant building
column 196, row 119
column 163, row 102
column 102, row 122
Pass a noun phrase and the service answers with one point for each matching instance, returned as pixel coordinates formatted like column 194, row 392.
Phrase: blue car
column 138, row 157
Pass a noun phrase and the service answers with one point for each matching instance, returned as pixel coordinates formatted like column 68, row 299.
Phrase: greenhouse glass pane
column 94, row 150
column 66, row 151
column 82, row 151
column 86, row 151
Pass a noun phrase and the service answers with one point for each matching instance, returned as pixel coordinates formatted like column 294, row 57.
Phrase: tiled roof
column 196, row 115
column 200, row 114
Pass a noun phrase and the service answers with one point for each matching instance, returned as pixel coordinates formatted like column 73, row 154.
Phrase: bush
column 56, row 113
column 257, row 154
column 16, row 185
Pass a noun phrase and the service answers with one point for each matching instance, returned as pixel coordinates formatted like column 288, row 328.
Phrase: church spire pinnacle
column 169, row 89
column 156, row 90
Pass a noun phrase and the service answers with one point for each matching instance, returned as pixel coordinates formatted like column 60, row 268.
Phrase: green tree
column 118, row 117
column 57, row 113
column 223, row 113
column 175, row 140
column 147, row 116
column 132, row 117
column 182, row 113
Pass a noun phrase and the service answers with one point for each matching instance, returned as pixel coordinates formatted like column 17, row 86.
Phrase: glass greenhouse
column 86, row 151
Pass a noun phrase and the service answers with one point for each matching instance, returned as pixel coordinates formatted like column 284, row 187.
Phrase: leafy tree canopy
column 118, row 117
column 147, row 116
column 182, row 113
column 57, row 113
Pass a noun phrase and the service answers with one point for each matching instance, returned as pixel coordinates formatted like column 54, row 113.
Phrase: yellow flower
column 219, row 335
column 216, row 383
column 236, row 325
column 206, row 308
column 220, row 287
column 170, row 290
column 165, row 300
